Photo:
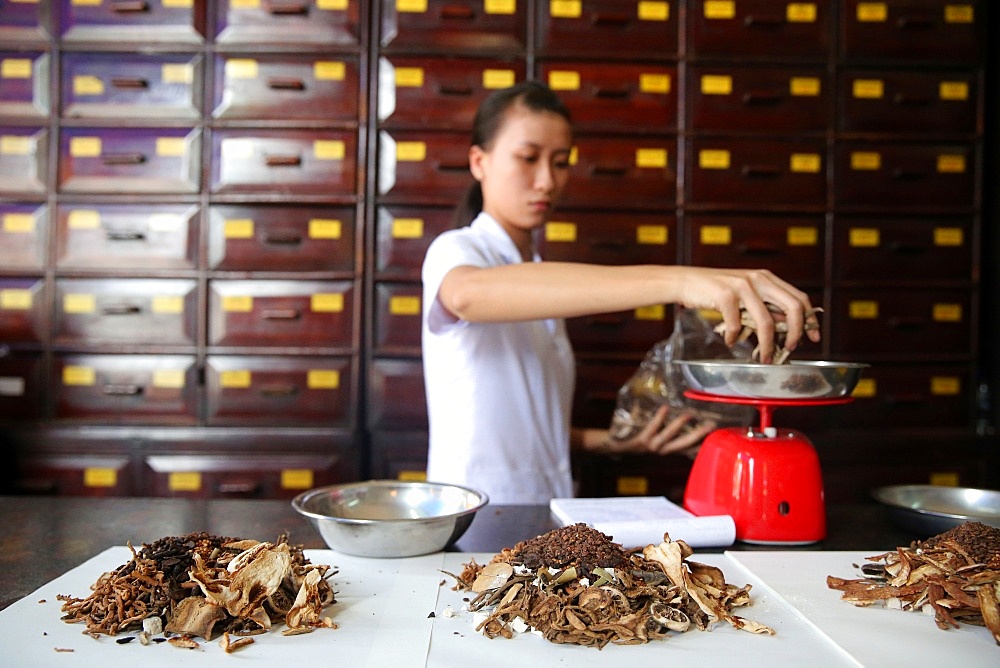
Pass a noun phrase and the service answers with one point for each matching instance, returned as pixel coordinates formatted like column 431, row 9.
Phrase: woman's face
column 525, row 170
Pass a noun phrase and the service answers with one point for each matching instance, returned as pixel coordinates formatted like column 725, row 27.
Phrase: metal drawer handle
column 904, row 399
column 241, row 488
column 283, row 160
column 457, row 12
column 904, row 248
column 464, row 91
column 123, row 159
column 910, row 324
column 761, row 97
column 287, row 8
column 901, row 174
column 286, row 83
column 129, row 82
column 113, row 235
column 130, row 6
column 914, row 22
column 286, row 238
column 764, row 21
column 906, row 100
column 768, row 171
column 127, row 390
column 612, row 93
column 281, row 314
column 615, row 244
column 608, row 170
column 757, row 248
column 453, row 166
column 279, row 391
column 120, row 309
column 600, row 19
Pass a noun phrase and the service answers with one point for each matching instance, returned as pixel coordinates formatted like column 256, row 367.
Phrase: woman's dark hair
column 533, row 95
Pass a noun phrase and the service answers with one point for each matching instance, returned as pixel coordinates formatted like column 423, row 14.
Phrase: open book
column 637, row 521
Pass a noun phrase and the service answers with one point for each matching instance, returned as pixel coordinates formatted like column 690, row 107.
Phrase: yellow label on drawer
column 85, row 3
column 169, row 379
column 805, row 163
column 719, row 9
column 177, row 73
column 407, row 228
column 78, row 376
column 85, row 147
column 15, row 68
column 16, row 145
column 165, row 222
column 946, row 313
column 948, row 237
column 959, row 14
column 332, row 5
column 713, row 158
column 15, row 299
column 864, row 237
column 18, row 223
column 329, row 149
column 83, row 219
column 944, row 479
column 171, row 147
column 238, row 228
column 244, row 4
column 499, row 6
column 87, row 84
column 804, row 86
column 651, row 158
column 574, row 155
column 323, row 379
column 412, row 476
column 866, row 161
column 237, row 149
column 565, row 9
column 653, row 11
column 868, row 89
column 242, row 68
column 329, row 70
column 871, row 12
column 12, row 386
column 184, row 481
column 327, row 302
column 237, row 303
column 325, row 228
column 629, row 485
column 862, row 309
column 865, row 389
column 560, row 232
column 800, row 12
column 654, row 83
column 167, row 304
column 656, row 312
column 564, row 80
column 99, row 477
column 651, row 235
column 945, row 386
column 951, row 164
column 413, row 6
column 406, row 305
column 409, row 77
column 716, row 235
column 296, row 479
column 178, row 4
column 236, row 379
column 77, row 302
column 494, row 79
column 716, row 84
column 953, row 91
column 802, row 236
column 411, row 151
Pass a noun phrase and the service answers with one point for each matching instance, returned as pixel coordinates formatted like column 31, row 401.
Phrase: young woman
column 498, row 366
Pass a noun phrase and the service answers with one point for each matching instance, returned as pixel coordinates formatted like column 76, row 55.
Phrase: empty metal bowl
column 753, row 380
column 928, row 510
column 390, row 518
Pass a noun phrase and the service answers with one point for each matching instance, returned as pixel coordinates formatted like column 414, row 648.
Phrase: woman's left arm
column 661, row 436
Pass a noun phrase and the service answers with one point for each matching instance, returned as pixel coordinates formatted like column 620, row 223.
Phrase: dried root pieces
column 780, row 330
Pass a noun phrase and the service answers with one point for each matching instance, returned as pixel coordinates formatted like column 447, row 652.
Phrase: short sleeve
column 454, row 248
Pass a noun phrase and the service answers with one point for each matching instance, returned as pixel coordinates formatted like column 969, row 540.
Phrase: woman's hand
column 663, row 435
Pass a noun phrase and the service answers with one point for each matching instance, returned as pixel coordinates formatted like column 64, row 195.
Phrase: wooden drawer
column 633, row 475
column 423, row 167
column 24, row 83
column 23, row 310
column 573, row 28
column 130, row 160
column 918, row 102
column 280, row 390
column 628, row 237
column 623, row 172
column 912, row 249
column 22, row 385
column 596, row 390
column 294, row 162
column 910, row 396
column 793, row 247
column 751, row 99
column 759, row 28
column 895, row 323
column 625, row 332
column 106, row 85
column 286, row 87
column 291, row 25
column 68, row 473
column 138, row 311
column 399, row 455
column 402, row 235
column 397, row 314
column 454, row 25
column 127, row 237
column 611, row 97
column 25, row 23
column 931, row 31
column 439, row 92
column 133, row 22
column 125, row 389
column 23, row 160
column 281, row 313
column 905, row 177
column 397, row 398
column 757, row 172
column 23, row 235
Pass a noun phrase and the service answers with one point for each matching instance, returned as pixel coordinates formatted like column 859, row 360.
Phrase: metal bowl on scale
column 795, row 380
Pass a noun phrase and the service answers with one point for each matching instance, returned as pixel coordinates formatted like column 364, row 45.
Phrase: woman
column 498, row 366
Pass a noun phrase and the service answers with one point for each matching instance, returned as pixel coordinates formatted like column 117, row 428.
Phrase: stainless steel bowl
column 928, row 510
column 390, row 518
column 752, row 380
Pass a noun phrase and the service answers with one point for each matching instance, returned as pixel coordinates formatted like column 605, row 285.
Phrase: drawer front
column 133, row 310
column 904, row 396
column 127, row 237
column 402, row 236
column 903, row 322
column 625, row 332
column 24, row 83
column 757, row 171
column 331, row 24
column 623, row 238
column 605, row 97
column 649, row 30
column 24, row 22
column 779, row 99
column 76, row 474
column 913, row 30
column 791, row 246
column 441, row 93
column 22, row 386
column 22, row 310
column 280, row 391
column 133, row 22
column 286, row 87
column 397, row 318
column 23, row 235
column 926, row 102
column 596, row 391
column 914, row 249
column 423, row 167
column 399, row 455
column 23, row 160
column 132, row 389
column 281, row 313
column 758, row 28
column 397, row 399
column 626, row 172
column 905, row 176
column 130, row 160
column 105, row 85
column 281, row 238
column 455, row 25
column 294, row 162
